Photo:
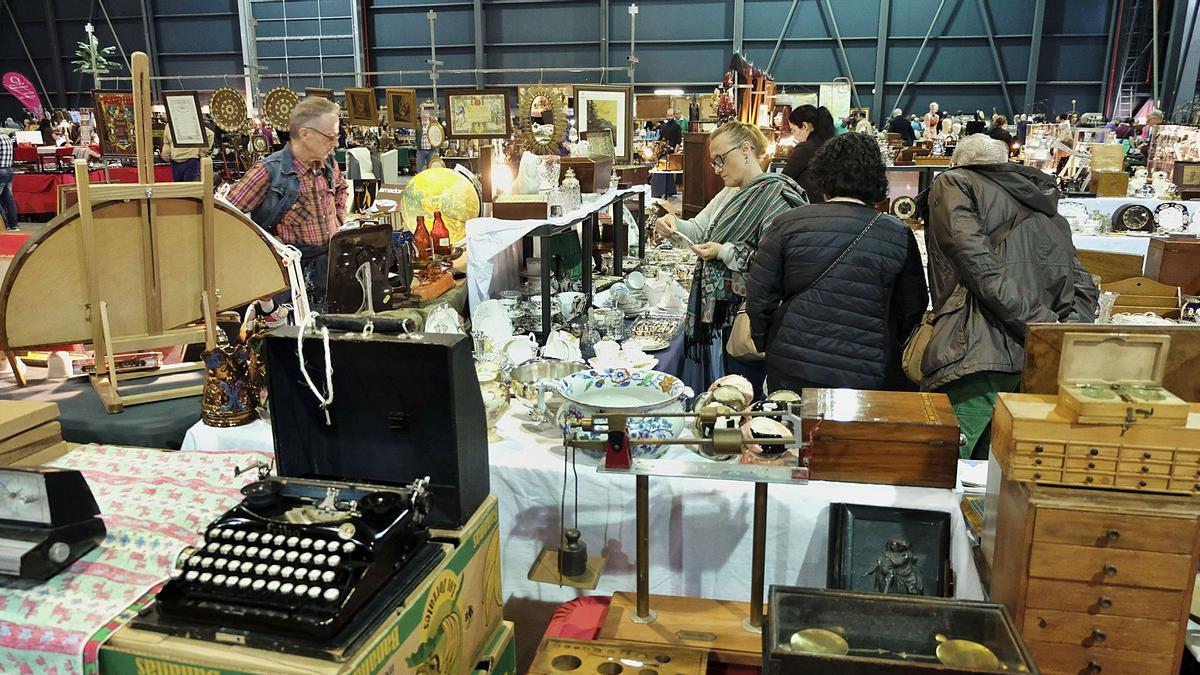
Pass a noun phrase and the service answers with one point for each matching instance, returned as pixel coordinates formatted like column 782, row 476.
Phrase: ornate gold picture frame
column 542, row 120
column 360, row 106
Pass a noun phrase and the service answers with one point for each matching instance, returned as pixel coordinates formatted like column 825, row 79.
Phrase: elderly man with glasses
column 298, row 194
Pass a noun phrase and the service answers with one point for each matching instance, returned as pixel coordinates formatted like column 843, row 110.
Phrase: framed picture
column 599, row 107
column 184, row 118
column 478, row 113
column 402, row 108
column 889, row 550
column 360, row 107
column 115, row 123
column 600, row 142
column 321, row 93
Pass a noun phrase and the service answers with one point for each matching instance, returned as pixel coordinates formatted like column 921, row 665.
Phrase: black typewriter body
column 298, row 557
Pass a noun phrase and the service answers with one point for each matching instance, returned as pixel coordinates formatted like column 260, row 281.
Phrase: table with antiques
column 700, row 540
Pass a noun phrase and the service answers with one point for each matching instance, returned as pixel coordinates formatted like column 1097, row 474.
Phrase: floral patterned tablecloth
column 154, row 503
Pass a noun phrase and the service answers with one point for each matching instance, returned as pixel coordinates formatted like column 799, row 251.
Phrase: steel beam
column 739, row 25
column 603, row 41
column 787, row 23
column 1035, row 53
column 477, row 13
column 920, row 51
column 151, row 44
column 991, row 36
column 1109, row 59
column 60, row 76
column 885, row 7
column 1189, row 69
column 1182, row 27
column 837, row 36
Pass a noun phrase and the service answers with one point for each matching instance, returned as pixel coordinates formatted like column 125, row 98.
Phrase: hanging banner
column 18, row 85
column 836, row 98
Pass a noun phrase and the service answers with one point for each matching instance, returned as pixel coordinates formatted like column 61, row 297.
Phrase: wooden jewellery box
column 1114, row 378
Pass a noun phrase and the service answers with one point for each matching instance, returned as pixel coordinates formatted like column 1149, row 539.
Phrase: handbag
column 741, row 345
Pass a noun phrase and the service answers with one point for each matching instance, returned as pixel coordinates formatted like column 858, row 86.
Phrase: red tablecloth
column 38, row 192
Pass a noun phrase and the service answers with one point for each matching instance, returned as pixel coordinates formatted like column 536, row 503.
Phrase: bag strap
column 846, row 251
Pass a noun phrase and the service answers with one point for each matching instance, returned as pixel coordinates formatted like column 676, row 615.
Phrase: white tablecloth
column 492, row 251
column 700, row 531
column 1112, row 243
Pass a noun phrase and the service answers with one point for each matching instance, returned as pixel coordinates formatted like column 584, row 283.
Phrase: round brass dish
column 966, row 654
column 228, row 110
column 277, row 106
column 819, row 641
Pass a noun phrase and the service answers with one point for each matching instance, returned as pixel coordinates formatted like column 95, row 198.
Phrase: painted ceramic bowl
column 619, row 390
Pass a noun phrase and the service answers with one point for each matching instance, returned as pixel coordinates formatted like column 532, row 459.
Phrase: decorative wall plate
column 228, row 109
column 1171, row 217
column 259, row 143
column 904, row 208
column 1133, row 218
column 1075, row 212
column 277, row 107
column 436, row 134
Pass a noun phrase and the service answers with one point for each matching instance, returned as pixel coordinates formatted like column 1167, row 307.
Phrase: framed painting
column 889, row 550
column 360, row 107
column 401, row 108
column 115, row 122
column 478, row 113
column 599, row 107
column 184, row 119
column 322, row 93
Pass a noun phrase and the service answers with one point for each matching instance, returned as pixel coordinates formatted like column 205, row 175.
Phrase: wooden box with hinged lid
column 884, row 437
column 1115, row 378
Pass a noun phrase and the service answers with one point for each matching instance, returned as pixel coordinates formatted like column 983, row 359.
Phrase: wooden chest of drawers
column 1096, row 581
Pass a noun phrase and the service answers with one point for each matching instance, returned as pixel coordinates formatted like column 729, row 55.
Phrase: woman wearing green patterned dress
column 726, row 233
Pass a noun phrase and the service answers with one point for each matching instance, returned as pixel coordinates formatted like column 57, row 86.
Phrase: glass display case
column 1172, row 143
column 825, row 632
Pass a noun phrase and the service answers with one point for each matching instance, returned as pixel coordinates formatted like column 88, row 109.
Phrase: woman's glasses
column 718, row 161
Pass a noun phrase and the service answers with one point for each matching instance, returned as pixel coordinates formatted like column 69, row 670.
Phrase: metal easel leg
column 643, row 614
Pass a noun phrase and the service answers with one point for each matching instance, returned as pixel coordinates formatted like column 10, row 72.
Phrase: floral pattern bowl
column 620, row 390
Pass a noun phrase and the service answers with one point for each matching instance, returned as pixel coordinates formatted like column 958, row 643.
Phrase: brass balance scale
column 952, row 653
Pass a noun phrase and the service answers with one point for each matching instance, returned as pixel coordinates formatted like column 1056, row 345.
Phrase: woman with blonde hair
column 726, row 233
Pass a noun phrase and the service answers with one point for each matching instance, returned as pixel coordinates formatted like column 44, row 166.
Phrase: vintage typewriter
column 301, row 558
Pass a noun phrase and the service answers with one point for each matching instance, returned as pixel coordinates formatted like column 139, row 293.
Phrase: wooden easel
column 146, row 193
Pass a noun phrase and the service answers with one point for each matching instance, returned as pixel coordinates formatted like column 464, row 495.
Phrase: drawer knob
column 1094, row 451
column 1105, row 602
column 1146, row 455
column 1038, row 448
column 1038, row 461
column 1145, row 469
column 1110, row 571
column 1141, row 483
column 1037, row 475
column 1113, row 534
column 1094, row 667
column 1098, row 635
column 1089, row 479
column 1091, row 465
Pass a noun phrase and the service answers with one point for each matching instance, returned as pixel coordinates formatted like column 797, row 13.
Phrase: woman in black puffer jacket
column 837, row 287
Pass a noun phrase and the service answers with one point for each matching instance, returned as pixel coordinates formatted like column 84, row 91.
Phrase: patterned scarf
column 717, row 289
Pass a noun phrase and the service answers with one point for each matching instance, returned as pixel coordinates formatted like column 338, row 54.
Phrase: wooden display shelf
column 714, row 625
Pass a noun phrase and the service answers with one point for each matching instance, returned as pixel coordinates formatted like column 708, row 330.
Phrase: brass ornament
column 228, row 400
column 277, row 107
column 818, row 641
column 548, row 99
column 228, row 109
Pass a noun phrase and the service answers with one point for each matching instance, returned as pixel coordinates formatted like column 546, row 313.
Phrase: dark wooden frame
column 361, row 117
column 103, row 122
column 395, row 121
column 203, row 142
column 625, row 151
column 846, row 573
column 448, row 110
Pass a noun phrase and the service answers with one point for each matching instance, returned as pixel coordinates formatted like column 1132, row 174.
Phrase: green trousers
column 974, row 398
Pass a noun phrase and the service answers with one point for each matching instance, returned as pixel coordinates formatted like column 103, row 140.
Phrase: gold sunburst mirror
column 543, row 120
